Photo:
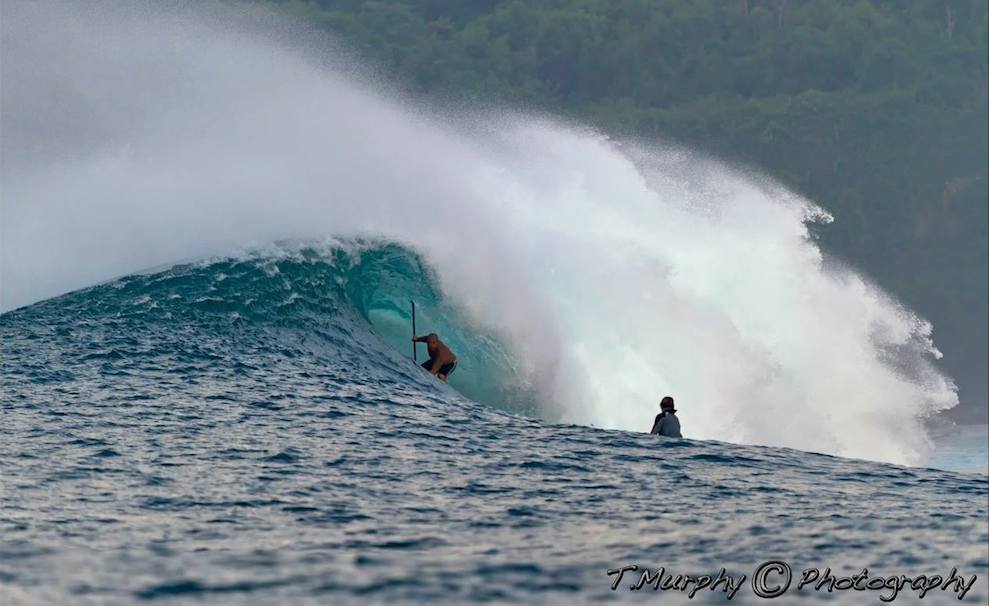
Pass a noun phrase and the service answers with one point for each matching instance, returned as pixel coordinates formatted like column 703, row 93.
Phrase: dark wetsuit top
column 666, row 424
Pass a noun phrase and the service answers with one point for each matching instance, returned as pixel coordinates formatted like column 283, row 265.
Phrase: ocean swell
column 599, row 274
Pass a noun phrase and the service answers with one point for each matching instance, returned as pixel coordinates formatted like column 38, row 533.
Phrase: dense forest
column 877, row 110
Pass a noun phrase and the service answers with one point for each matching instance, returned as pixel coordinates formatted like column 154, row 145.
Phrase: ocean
column 246, row 431
column 244, row 422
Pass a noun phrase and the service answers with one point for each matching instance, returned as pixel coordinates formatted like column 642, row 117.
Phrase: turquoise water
column 253, row 431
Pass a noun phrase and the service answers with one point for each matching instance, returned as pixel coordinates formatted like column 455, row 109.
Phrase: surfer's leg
column 446, row 371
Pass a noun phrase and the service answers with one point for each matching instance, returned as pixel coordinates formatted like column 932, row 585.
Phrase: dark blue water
column 253, row 431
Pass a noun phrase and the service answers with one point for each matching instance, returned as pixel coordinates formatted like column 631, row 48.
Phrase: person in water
column 441, row 360
column 666, row 423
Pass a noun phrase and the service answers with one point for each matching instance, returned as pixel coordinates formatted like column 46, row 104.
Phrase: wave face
column 340, row 304
column 600, row 275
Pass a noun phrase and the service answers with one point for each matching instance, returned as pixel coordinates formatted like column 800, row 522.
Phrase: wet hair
column 666, row 403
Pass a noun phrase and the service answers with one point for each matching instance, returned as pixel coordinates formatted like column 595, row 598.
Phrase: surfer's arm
column 418, row 339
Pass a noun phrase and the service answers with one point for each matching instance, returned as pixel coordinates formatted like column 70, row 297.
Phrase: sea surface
column 253, row 431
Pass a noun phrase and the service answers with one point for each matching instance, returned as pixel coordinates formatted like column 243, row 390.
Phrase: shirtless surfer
column 441, row 360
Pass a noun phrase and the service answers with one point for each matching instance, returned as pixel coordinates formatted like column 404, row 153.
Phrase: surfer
column 441, row 360
column 666, row 423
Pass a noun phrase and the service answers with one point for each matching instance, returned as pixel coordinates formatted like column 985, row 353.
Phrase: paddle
column 413, row 330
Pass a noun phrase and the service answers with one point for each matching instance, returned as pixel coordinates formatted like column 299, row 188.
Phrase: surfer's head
column 666, row 404
column 431, row 338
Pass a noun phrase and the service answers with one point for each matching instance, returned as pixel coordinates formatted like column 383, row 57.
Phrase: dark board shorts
column 445, row 370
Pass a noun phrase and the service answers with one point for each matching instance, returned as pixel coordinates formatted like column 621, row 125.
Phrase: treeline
column 875, row 109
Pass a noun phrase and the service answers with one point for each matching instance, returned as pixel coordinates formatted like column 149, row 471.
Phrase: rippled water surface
column 203, row 435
